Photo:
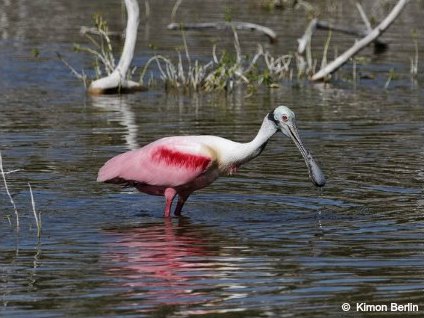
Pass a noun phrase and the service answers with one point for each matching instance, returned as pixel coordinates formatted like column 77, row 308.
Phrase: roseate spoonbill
column 182, row 164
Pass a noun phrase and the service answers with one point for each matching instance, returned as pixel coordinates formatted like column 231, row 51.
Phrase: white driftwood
column 117, row 81
column 316, row 24
column 272, row 36
column 361, row 44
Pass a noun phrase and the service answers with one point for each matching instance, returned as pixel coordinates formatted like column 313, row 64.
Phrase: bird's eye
column 285, row 118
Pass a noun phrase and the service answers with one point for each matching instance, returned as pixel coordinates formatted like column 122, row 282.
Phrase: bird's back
column 169, row 162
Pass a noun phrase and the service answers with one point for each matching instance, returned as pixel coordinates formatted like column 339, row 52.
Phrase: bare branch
column 361, row 44
column 220, row 25
column 95, row 31
column 324, row 25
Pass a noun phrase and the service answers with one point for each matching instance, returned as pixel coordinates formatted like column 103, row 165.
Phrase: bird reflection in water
column 164, row 263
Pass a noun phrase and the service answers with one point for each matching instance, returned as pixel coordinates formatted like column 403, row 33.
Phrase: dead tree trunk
column 117, row 81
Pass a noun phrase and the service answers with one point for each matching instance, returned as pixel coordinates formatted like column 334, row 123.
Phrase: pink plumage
column 175, row 158
column 168, row 166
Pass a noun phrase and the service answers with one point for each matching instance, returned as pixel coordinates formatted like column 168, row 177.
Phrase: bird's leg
column 169, row 196
column 182, row 198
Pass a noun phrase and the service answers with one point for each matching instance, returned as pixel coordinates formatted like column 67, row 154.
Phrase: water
column 262, row 243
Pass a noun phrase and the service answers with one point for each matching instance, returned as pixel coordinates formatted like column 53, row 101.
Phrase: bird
column 180, row 165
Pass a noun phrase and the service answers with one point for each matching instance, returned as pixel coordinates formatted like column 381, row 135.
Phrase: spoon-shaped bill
column 315, row 172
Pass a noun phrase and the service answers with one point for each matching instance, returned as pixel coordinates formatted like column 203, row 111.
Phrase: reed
column 324, row 54
column 223, row 71
column 8, row 193
column 194, row 75
column 392, row 75
column 414, row 59
column 37, row 216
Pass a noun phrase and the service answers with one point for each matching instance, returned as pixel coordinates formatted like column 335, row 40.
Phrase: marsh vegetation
column 226, row 68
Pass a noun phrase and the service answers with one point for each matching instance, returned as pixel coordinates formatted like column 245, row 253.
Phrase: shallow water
column 262, row 243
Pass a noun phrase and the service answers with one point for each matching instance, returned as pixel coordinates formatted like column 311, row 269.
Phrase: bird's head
column 284, row 120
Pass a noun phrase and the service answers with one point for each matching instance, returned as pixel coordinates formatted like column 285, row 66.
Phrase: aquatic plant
column 6, row 187
column 414, row 59
column 104, row 60
column 222, row 72
column 391, row 76
column 37, row 216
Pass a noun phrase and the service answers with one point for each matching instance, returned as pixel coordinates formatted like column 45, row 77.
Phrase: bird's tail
column 111, row 169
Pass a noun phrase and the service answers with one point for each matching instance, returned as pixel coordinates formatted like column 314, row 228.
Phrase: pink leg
column 182, row 198
column 169, row 196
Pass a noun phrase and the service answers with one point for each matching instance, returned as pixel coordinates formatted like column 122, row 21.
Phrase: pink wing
column 167, row 162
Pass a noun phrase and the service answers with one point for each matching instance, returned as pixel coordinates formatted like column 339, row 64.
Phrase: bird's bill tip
column 315, row 172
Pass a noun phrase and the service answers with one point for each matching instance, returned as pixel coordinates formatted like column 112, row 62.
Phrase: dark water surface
column 262, row 243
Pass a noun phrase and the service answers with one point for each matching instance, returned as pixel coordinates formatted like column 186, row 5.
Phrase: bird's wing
column 167, row 162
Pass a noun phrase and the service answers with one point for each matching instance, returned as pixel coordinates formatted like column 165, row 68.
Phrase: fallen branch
column 221, row 25
column 117, row 81
column 361, row 44
column 316, row 24
column 95, row 31
column 324, row 25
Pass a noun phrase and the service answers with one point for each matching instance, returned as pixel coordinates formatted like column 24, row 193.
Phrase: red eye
column 284, row 118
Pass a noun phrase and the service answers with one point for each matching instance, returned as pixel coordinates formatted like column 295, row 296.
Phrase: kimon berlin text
column 392, row 307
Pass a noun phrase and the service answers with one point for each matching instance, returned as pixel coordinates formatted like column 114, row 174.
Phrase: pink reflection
column 163, row 263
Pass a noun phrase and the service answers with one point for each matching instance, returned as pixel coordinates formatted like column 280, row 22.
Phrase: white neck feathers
column 245, row 152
